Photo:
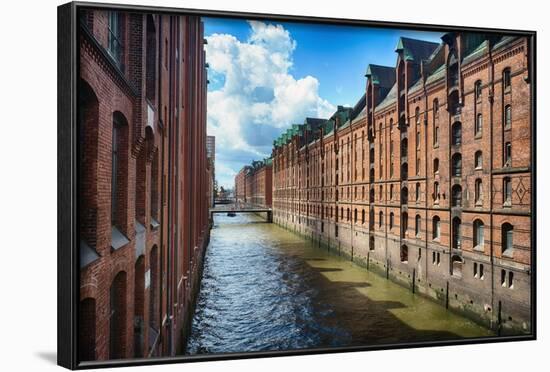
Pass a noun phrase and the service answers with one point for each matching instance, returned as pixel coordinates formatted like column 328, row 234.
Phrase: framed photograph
column 237, row 185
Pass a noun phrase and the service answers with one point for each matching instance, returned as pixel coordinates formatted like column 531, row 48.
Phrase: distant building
column 254, row 183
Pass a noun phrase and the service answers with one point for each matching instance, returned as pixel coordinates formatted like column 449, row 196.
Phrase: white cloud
column 259, row 97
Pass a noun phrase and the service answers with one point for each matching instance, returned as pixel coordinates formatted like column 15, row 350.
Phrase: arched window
column 391, row 125
column 417, row 116
column 436, row 194
column 404, row 147
column 380, row 219
column 436, row 227
column 457, row 133
column 457, row 196
column 507, row 154
column 119, row 162
column 404, row 254
column 508, row 117
column 436, row 107
column 404, row 195
column 506, row 79
column 477, row 90
column 404, row 171
column 139, row 306
column 436, row 165
column 355, row 215
column 457, row 165
column 404, row 224
column 117, row 317
column 391, row 192
column 457, row 237
column 347, row 214
column 507, row 238
column 478, row 160
column 363, row 217
column 417, row 226
column 479, row 240
column 391, row 220
column 479, row 125
column 478, row 191
column 417, row 192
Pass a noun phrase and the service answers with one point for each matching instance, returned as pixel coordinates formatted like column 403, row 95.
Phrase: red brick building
column 143, row 215
column 240, row 184
column 427, row 180
column 254, row 184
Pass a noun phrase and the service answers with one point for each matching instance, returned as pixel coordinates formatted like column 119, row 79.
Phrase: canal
column 265, row 288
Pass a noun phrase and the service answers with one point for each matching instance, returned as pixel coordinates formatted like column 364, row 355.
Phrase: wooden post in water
column 447, row 297
column 413, row 280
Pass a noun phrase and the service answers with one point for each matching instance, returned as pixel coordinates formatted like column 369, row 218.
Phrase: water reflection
column 264, row 288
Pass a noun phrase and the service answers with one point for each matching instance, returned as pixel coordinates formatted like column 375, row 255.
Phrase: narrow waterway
column 265, row 288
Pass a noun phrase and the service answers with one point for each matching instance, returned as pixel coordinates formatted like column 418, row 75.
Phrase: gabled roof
column 415, row 50
column 383, row 76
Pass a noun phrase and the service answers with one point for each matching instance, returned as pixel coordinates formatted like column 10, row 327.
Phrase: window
column 478, row 160
column 436, row 191
column 391, row 192
column 417, row 192
column 404, row 195
column 436, row 136
column 479, row 125
column 456, row 267
column 457, row 196
column 508, row 117
column 115, row 37
column 506, row 80
column 380, row 219
column 457, row 165
column 436, row 227
column 478, row 234
column 456, row 235
column 418, row 140
column 475, row 269
column 391, row 220
column 507, row 154
column 115, row 164
column 355, row 215
column 363, row 216
column 507, row 238
column 404, row 254
column 404, row 224
column 457, row 133
column 478, row 191
column 417, row 226
column 481, row 273
column 436, row 165
column 436, row 108
column 477, row 91
column 507, row 190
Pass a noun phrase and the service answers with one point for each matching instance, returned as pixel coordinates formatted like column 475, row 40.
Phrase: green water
column 265, row 288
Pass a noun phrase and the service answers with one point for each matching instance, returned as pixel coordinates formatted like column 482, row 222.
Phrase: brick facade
column 427, row 180
column 143, row 175
column 253, row 184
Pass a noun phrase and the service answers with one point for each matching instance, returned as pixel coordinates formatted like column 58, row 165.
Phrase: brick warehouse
column 427, row 180
column 253, row 184
column 143, row 206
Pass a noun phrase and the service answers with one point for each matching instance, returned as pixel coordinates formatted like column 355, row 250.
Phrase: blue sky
column 265, row 76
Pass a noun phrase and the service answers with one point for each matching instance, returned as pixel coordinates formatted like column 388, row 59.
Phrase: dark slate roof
column 415, row 50
column 359, row 106
column 383, row 76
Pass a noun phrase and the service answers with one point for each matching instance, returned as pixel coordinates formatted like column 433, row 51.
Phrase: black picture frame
column 68, row 273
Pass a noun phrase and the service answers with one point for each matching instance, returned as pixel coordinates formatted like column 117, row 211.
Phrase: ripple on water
column 260, row 292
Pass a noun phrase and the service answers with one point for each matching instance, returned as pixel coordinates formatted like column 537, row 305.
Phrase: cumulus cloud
column 258, row 97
